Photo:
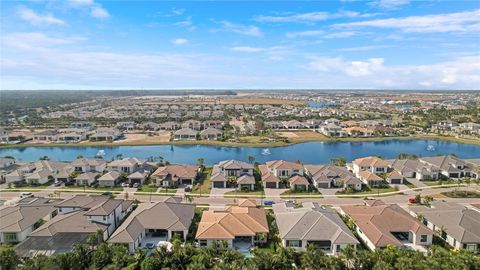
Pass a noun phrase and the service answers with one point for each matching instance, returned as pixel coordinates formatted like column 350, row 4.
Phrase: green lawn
column 369, row 191
column 147, row 188
column 118, row 189
column 408, row 184
column 461, row 194
column 203, row 184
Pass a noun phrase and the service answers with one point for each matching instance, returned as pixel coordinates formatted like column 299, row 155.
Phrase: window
column 294, row 243
column 10, row 237
column 423, row 238
column 470, row 246
column 104, row 218
column 203, row 243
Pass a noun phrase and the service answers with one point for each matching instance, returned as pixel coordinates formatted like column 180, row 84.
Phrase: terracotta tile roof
column 177, row 171
column 298, row 180
column 379, row 221
column 371, row 162
column 234, row 221
column 267, row 176
column 369, row 176
column 283, row 165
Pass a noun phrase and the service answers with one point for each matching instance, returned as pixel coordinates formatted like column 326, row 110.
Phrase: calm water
column 311, row 152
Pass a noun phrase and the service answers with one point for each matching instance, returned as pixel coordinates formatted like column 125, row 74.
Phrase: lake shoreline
column 258, row 145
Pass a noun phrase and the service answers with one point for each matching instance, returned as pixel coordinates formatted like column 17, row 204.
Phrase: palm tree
column 200, row 163
column 251, row 159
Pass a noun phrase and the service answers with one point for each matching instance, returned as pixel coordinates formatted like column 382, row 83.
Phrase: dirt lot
column 301, row 135
column 261, row 101
column 133, row 138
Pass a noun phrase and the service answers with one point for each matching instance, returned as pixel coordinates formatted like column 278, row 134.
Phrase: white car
column 26, row 195
column 125, row 185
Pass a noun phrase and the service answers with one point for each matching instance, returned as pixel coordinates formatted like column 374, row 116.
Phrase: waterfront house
column 77, row 219
column 452, row 167
column 332, row 130
column 374, row 165
column 81, row 165
column 169, row 126
column 49, row 135
column 185, row 134
column 269, row 180
column 72, row 135
column 238, row 227
column 277, row 171
column 284, row 168
column 312, row 224
column 127, row 165
column 18, row 221
column 227, row 173
column 211, row 133
column 105, row 134
column 139, row 176
column 109, row 179
column 414, row 169
column 458, row 225
column 330, row 176
column 175, row 174
column 298, row 183
column 380, row 225
column 154, row 223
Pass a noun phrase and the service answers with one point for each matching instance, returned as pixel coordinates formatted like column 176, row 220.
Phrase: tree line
column 187, row 256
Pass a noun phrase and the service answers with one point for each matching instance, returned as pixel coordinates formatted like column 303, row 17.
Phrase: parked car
column 188, row 188
column 412, row 200
column 136, row 185
column 107, row 193
column 57, row 183
column 26, row 195
column 125, row 185
column 268, row 202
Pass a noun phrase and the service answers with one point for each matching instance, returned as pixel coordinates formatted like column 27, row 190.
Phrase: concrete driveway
column 416, row 182
column 274, row 192
column 329, row 192
column 219, row 192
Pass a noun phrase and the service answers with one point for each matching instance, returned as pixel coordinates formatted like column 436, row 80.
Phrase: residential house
column 374, row 165
column 380, row 225
column 82, row 124
column 154, row 223
column 452, row 167
column 106, row 134
column 292, row 124
column 227, row 173
column 330, row 176
column 240, row 226
column 370, row 179
column 127, row 165
column 138, row 176
column 87, row 178
column 169, row 126
column 77, row 219
column 312, row 224
column 174, row 175
column 49, row 135
column 277, row 171
column 81, row 165
column 109, row 179
column 332, row 130
column 72, row 135
column 458, row 225
column 213, row 123
column 409, row 168
column 358, row 132
column 298, row 183
column 211, row 133
column 394, row 177
column 192, row 124
column 18, row 221
column 185, row 134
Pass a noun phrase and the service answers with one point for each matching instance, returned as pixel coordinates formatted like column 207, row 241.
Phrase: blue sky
column 378, row 44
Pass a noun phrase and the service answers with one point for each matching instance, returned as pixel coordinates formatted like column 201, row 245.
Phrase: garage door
column 270, row 185
column 218, row 184
column 187, row 181
column 323, row 185
column 396, row 181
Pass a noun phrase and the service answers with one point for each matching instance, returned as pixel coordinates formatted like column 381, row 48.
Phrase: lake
column 310, row 152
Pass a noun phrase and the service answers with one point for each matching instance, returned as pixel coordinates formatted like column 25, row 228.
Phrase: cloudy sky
column 378, row 44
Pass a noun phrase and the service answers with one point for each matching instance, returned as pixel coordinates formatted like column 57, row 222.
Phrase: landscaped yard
column 369, row 191
column 408, row 184
column 92, row 188
column 203, row 184
column 461, row 194
column 147, row 188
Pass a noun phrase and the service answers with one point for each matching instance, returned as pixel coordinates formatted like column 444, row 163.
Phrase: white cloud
column 81, row 2
column 310, row 33
column 363, row 48
column 38, row 19
column 180, row 41
column 467, row 21
column 460, row 73
column 36, row 40
column 99, row 12
column 247, row 49
column 389, row 4
column 247, row 30
column 311, row 17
